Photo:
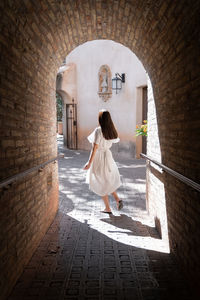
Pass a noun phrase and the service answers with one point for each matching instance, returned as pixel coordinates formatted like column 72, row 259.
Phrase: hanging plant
column 142, row 129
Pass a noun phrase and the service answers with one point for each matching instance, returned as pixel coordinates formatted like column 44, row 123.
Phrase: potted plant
column 142, row 129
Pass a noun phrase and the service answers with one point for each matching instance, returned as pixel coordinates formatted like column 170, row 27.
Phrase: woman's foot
column 120, row 204
column 106, row 211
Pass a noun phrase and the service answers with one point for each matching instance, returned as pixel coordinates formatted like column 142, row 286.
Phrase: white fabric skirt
column 103, row 176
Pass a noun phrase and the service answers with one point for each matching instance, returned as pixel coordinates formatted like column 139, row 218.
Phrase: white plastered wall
column 88, row 58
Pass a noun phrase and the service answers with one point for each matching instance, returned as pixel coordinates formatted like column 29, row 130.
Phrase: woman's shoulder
column 116, row 140
column 98, row 129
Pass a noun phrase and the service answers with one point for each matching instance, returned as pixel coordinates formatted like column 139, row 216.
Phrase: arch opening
column 126, row 109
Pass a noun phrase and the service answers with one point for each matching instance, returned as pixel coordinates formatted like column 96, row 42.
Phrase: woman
column 103, row 175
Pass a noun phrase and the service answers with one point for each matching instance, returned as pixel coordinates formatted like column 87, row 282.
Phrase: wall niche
column 105, row 83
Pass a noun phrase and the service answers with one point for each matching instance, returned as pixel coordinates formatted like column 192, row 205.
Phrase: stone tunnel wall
column 27, row 139
column 35, row 37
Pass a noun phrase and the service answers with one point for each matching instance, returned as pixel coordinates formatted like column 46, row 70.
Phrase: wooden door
column 71, row 122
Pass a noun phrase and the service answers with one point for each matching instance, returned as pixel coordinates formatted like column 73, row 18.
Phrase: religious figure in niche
column 105, row 85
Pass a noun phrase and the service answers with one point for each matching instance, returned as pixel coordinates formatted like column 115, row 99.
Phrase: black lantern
column 117, row 81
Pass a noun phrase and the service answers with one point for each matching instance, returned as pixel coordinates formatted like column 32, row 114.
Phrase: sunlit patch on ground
column 132, row 225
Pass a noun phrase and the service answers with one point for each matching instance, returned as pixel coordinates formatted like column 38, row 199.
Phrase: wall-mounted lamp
column 117, row 81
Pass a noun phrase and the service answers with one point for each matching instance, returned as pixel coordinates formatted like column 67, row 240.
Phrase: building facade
column 81, row 86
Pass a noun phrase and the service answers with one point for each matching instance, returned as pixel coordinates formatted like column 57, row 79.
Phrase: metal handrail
column 179, row 176
column 18, row 176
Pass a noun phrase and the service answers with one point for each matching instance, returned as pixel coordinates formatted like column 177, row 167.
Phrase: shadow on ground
column 134, row 227
column 74, row 261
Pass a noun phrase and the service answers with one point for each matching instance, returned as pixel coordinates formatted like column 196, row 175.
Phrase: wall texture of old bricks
column 35, row 37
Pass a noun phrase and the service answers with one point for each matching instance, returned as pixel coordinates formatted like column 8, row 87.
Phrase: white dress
column 103, row 176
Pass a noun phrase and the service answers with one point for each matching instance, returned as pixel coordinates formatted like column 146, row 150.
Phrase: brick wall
column 27, row 210
column 27, row 138
column 173, row 127
column 35, row 37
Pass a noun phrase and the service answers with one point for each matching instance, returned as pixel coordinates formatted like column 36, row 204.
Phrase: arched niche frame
column 105, row 83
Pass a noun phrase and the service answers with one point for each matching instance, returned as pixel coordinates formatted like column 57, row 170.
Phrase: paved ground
column 89, row 255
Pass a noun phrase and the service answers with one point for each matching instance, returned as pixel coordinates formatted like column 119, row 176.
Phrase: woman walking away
column 103, row 175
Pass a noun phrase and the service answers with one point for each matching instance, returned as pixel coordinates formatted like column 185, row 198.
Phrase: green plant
column 142, row 129
column 59, row 105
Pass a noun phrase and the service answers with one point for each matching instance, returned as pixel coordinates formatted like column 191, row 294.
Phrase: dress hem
column 107, row 193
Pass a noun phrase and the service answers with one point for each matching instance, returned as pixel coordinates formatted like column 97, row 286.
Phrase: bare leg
column 116, row 198
column 106, row 202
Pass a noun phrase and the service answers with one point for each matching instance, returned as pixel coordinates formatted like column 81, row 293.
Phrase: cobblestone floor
column 89, row 255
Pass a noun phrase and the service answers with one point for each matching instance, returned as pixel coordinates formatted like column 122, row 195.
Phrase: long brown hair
column 107, row 126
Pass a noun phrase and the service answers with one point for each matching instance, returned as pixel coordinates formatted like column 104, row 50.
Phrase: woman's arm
column 92, row 154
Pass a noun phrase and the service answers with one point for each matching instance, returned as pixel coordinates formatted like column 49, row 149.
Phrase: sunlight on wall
column 156, row 201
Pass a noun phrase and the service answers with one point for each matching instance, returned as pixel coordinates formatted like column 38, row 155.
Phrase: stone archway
column 35, row 38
